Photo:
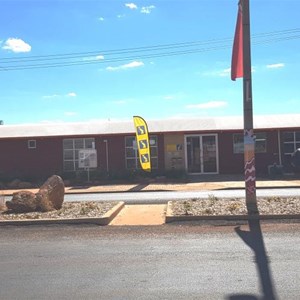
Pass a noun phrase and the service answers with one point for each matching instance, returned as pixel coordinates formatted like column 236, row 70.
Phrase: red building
column 194, row 146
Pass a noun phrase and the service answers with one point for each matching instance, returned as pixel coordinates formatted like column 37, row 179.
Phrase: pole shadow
column 138, row 187
column 254, row 240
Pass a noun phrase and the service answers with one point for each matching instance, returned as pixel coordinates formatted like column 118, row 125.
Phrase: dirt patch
column 140, row 215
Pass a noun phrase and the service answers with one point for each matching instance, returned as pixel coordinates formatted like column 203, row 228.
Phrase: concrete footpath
column 217, row 182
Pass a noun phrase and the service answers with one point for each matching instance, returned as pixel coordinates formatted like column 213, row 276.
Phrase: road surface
column 156, row 262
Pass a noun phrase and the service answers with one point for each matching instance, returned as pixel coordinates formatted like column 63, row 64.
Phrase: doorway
column 202, row 154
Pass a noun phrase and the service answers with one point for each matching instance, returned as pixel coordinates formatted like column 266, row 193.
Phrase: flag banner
column 237, row 70
column 142, row 139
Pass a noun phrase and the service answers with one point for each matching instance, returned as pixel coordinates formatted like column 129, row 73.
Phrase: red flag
column 237, row 51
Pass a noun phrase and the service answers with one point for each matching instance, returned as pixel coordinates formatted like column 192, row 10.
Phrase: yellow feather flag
column 142, row 140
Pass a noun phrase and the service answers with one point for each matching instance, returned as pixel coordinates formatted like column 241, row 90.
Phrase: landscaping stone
column 49, row 197
column 51, row 194
column 22, row 201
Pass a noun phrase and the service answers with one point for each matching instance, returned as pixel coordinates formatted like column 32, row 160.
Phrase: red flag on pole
column 237, row 51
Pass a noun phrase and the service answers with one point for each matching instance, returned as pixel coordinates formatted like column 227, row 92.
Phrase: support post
column 249, row 138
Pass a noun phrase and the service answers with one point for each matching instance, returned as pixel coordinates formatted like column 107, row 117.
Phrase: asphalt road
column 186, row 261
column 165, row 196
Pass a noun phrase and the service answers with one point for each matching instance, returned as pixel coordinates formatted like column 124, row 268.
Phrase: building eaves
column 108, row 127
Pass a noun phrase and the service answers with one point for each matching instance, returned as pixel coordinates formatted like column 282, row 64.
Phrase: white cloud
column 207, row 105
column 147, row 9
column 134, row 64
column 220, row 73
column 275, row 66
column 120, row 16
column 51, row 96
column 16, row 45
column 225, row 72
column 55, row 96
column 131, row 5
column 101, row 19
column 97, row 57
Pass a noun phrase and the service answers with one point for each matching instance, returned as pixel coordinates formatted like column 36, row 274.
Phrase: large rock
column 22, row 202
column 51, row 194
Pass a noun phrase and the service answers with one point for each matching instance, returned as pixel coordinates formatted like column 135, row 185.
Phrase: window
column 31, row 144
column 238, row 143
column 131, row 153
column 291, row 142
column 71, row 149
column 260, row 143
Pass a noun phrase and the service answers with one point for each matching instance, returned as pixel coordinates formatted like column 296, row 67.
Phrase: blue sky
column 122, row 66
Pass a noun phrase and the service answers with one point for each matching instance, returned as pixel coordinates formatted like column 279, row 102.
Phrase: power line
column 145, row 52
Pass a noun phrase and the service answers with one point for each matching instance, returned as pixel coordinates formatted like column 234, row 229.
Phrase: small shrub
column 212, row 199
column 187, row 207
column 233, row 206
column 208, row 211
column 273, row 199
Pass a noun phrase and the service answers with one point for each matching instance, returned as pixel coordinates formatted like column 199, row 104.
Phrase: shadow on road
column 138, row 187
column 254, row 239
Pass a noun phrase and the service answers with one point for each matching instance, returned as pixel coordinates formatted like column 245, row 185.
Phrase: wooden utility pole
column 249, row 138
column 241, row 67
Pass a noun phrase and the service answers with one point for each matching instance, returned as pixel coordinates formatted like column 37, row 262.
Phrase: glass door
column 201, row 154
column 193, row 154
column 209, row 155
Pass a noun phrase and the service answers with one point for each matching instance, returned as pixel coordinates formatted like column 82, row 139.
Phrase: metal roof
column 108, row 127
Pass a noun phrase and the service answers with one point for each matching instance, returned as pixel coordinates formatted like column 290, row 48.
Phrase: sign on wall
column 87, row 158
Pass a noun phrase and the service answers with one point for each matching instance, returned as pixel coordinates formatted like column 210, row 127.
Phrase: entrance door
column 201, row 154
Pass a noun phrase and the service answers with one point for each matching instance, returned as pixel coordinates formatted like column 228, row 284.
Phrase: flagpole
column 249, row 138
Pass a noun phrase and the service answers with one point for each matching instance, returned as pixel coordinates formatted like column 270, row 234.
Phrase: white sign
column 87, row 158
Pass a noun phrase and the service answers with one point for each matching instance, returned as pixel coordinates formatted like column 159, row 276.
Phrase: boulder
column 51, row 194
column 22, row 202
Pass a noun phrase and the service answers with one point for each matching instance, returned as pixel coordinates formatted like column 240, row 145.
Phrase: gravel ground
column 70, row 210
column 214, row 206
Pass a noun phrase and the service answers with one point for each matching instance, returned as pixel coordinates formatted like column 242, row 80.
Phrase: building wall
column 233, row 163
column 161, row 152
column 115, row 158
column 229, row 162
column 116, row 152
column 263, row 160
column 16, row 160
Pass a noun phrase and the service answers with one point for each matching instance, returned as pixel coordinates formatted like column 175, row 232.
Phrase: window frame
column 260, row 137
column 31, row 144
column 73, row 151
column 132, row 148
column 294, row 141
